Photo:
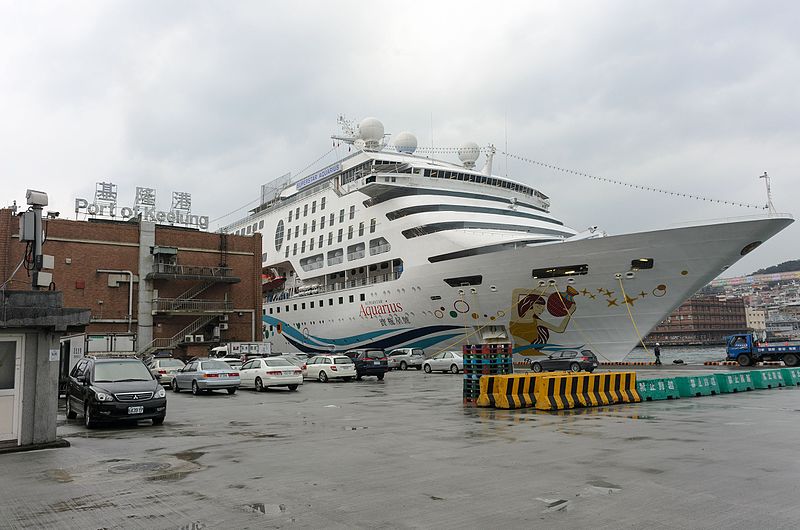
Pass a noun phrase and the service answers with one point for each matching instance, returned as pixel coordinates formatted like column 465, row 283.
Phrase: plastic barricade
column 566, row 391
column 763, row 379
column 697, row 385
column 791, row 376
column 731, row 382
column 657, row 389
column 511, row 391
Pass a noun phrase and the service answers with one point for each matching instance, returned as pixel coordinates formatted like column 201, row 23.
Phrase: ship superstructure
column 389, row 248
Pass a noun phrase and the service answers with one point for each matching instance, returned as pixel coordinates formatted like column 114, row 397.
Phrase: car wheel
column 195, row 389
column 323, row 377
column 259, row 385
column 158, row 420
column 71, row 414
column 231, row 391
column 380, row 377
column 87, row 417
column 293, row 387
column 403, row 365
column 790, row 359
column 574, row 367
column 744, row 360
column 175, row 386
column 453, row 369
column 428, row 369
column 536, row 367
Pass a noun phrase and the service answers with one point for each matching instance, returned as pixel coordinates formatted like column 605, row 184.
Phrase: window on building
column 353, row 212
column 372, row 224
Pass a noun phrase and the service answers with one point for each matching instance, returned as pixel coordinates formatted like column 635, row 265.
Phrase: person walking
column 657, row 351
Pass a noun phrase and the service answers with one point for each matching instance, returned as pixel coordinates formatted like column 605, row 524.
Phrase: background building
column 701, row 320
column 177, row 288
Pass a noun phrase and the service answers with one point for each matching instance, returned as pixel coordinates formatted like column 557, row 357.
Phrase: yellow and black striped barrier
column 511, row 391
column 566, row 391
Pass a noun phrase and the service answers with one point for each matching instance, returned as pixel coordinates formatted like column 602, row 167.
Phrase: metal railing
column 170, row 342
column 335, row 260
column 333, row 287
column 355, row 255
column 313, row 265
column 379, row 249
column 190, row 305
column 192, row 270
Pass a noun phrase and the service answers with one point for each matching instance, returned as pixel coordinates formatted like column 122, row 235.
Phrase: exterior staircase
column 167, row 343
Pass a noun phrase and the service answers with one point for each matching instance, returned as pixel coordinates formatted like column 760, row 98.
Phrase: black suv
column 571, row 360
column 114, row 389
column 369, row 362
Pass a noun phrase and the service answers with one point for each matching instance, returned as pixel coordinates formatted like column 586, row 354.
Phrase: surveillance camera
column 36, row 198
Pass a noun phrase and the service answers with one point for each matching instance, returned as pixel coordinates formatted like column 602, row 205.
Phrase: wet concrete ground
column 405, row 453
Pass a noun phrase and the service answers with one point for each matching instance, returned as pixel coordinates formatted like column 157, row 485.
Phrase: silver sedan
column 206, row 375
column 445, row 361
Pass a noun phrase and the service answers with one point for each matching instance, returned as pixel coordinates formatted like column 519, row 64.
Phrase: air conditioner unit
column 188, row 338
column 223, row 318
column 223, row 326
column 215, row 334
column 199, row 338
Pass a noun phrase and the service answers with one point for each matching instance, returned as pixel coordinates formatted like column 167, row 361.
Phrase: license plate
column 288, row 373
column 135, row 410
column 376, row 362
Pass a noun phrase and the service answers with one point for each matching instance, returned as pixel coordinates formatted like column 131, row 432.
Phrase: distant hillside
column 786, row 266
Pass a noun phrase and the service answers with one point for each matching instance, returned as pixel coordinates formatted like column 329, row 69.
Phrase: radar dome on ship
column 405, row 142
column 468, row 153
column 371, row 131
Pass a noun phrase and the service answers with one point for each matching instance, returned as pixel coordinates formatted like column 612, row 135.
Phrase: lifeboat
column 271, row 280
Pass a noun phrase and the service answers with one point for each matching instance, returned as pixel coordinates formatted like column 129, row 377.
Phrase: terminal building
column 701, row 320
column 178, row 289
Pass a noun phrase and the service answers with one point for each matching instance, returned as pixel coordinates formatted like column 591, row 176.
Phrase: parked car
column 403, row 358
column 270, row 371
column 369, row 362
column 572, row 360
column 325, row 367
column 206, row 375
column 164, row 369
column 233, row 362
column 445, row 361
column 113, row 389
column 297, row 359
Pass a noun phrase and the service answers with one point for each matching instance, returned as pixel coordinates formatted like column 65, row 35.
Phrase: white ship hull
column 407, row 312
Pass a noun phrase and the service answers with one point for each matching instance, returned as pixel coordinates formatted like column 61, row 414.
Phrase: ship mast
column 769, row 192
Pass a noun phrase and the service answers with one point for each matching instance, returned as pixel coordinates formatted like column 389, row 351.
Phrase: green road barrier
column 734, row 382
column 767, row 378
column 791, row 376
column 697, row 385
column 657, row 389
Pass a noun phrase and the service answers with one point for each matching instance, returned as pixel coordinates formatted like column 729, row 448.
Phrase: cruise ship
column 390, row 248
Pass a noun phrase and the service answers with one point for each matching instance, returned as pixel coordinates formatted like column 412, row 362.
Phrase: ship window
column 287, row 251
column 260, row 225
column 278, row 309
column 379, row 246
column 321, row 302
column 372, row 225
column 355, row 252
column 352, row 212
column 322, row 203
column 314, row 225
column 311, row 244
column 330, row 219
column 339, row 236
column 321, row 240
column 294, row 250
column 360, row 229
column 312, row 304
column 350, row 232
column 303, row 247
column 305, row 210
column 279, row 235
column 297, row 231
column 341, row 300
column 351, row 298
column 249, row 229
column 330, row 301
column 255, row 227
column 341, row 215
column 330, row 238
column 305, row 228
column 288, row 234
column 314, row 207
column 322, row 222
column 642, row 263
column 295, row 307
column 436, row 297
column 564, row 270
column 362, row 297
column 303, row 305
column 270, row 310
column 264, row 256
column 297, row 213
column 464, row 280
column 290, row 215
column 335, row 257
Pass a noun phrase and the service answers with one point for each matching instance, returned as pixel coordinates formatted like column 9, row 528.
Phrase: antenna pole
column 770, row 206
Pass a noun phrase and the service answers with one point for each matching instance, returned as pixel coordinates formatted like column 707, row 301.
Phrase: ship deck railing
column 333, row 287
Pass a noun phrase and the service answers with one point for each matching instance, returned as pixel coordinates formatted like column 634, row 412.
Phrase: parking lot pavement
column 405, row 453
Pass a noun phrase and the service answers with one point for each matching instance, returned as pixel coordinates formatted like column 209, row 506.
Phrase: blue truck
column 745, row 349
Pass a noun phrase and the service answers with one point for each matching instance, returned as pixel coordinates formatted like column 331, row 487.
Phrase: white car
column 270, row 371
column 403, row 358
column 164, row 369
column 445, row 361
column 325, row 367
column 233, row 362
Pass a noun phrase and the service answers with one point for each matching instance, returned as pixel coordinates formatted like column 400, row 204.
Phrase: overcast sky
column 216, row 98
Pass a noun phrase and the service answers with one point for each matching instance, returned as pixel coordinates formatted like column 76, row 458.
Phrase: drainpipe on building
column 130, row 291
